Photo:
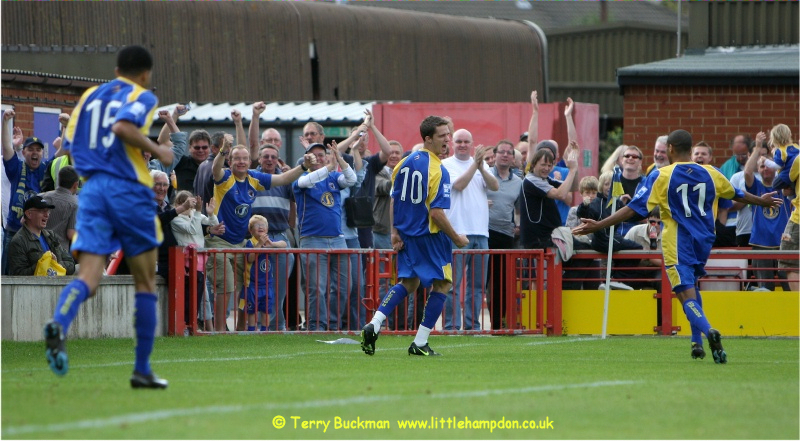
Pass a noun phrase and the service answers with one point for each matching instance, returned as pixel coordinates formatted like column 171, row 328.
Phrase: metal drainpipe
column 545, row 94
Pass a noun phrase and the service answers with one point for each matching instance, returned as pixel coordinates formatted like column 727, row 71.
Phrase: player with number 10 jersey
column 419, row 184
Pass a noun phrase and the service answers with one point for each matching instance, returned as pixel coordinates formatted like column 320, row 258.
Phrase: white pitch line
column 270, row 357
column 144, row 417
column 182, row 360
column 212, row 360
column 556, row 342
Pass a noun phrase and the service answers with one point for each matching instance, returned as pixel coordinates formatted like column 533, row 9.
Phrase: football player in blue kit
column 106, row 136
column 687, row 194
column 421, row 235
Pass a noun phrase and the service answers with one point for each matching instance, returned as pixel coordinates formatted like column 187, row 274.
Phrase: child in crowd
column 785, row 152
column 259, row 284
column 589, row 187
column 188, row 230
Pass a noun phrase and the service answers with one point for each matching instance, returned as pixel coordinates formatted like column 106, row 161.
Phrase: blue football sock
column 251, row 328
column 144, row 322
column 694, row 313
column 72, row 296
column 697, row 336
column 393, row 298
column 433, row 309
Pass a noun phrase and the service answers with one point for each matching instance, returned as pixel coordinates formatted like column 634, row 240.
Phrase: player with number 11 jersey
column 692, row 191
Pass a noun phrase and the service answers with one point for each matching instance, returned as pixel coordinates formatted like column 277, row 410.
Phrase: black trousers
column 498, row 291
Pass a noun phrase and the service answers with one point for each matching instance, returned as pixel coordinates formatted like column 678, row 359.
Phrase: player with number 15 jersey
column 94, row 147
column 118, row 180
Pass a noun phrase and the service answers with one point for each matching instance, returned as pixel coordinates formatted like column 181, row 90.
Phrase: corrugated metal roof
column 52, row 75
column 549, row 15
column 720, row 65
column 345, row 112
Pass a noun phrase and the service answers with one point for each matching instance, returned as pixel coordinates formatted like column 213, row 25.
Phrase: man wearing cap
column 25, row 178
column 317, row 194
column 235, row 190
column 33, row 240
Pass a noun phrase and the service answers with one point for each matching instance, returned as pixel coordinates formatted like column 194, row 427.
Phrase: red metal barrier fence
column 338, row 290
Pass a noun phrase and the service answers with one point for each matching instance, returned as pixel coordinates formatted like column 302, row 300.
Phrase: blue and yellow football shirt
column 88, row 137
column 419, row 183
column 688, row 195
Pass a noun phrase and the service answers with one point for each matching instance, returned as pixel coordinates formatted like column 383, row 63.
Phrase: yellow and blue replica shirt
column 419, row 184
column 235, row 199
column 259, row 274
column 319, row 207
column 92, row 144
column 688, row 195
column 768, row 222
column 794, row 175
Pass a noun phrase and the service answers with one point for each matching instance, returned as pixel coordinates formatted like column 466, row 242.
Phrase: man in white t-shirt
column 469, row 215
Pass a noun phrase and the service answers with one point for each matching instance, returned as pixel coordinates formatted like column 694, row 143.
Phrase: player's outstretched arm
column 765, row 200
column 590, row 225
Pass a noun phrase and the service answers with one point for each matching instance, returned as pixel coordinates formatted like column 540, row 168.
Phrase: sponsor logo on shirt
column 242, row 210
column 326, row 199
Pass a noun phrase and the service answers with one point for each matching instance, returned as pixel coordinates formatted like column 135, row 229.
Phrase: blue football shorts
column 115, row 213
column 249, row 304
column 427, row 257
column 683, row 277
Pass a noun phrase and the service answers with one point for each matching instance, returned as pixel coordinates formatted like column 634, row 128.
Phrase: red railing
column 530, row 284
column 523, row 296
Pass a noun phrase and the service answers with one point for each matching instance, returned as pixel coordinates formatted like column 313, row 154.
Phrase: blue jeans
column 283, row 268
column 382, row 241
column 324, row 275
column 475, row 267
column 358, row 312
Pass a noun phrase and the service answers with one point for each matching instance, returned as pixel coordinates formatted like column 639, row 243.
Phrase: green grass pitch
column 242, row 386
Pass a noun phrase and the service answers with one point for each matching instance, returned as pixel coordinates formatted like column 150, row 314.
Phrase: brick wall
column 24, row 97
column 713, row 114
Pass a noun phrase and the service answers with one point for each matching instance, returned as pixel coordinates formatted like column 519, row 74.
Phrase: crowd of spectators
column 503, row 196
